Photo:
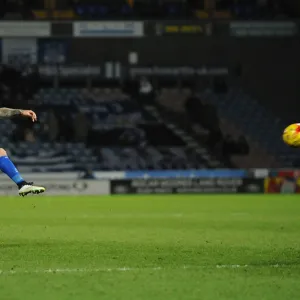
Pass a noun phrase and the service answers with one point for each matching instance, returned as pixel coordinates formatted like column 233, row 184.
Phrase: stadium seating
column 255, row 121
column 90, row 9
column 124, row 134
column 121, row 135
column 241, row 115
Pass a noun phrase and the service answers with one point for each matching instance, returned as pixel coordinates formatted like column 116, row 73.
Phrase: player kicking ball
column 7, row 166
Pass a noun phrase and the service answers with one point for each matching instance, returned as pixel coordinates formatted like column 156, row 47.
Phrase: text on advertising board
column 187, row 186
column 259, row 29
column 184, row 71
column 69, row 71
column 108, row 29
column 25, row 29
column 183, row 29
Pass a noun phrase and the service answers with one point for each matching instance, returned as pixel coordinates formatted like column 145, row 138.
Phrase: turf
column 150, row 247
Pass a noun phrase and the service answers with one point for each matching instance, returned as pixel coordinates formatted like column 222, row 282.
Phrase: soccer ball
column 291, row 135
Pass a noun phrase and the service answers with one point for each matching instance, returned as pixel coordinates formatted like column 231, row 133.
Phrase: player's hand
column 30, row 114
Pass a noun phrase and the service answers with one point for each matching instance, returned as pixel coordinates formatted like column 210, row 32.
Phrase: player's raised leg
column 7, row 167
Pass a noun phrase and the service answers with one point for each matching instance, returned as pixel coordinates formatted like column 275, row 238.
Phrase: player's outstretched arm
column 10, row 112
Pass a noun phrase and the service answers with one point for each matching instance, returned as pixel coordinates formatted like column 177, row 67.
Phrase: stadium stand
column 248, row 10
column 101, row 129
column 91, row 9
column 254, row 120
column 146, row 9
column 240, row 115
column 114, row 126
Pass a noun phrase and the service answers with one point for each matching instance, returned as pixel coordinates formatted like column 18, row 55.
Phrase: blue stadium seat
column 108, row 111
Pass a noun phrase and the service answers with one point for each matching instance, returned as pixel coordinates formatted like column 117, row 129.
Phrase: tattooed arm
column 10, row 112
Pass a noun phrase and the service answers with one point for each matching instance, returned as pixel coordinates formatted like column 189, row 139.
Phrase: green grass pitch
column 150, row 247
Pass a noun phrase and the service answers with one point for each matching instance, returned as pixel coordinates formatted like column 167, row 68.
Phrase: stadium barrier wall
column 217, row 173
column 188, row 186
column 62, row 187
column 164, row 182
column 255, row 181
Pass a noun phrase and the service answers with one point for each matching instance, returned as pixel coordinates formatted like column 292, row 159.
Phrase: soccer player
column 6, row 165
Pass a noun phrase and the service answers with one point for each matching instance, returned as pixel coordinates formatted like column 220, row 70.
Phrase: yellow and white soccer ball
column 291, row 135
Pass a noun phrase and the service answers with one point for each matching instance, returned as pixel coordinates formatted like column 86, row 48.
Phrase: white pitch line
column 129, row 269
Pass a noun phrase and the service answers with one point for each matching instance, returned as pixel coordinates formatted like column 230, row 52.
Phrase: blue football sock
column 7, row 167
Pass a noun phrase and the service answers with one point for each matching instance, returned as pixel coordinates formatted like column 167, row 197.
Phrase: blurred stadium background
column 153, row 97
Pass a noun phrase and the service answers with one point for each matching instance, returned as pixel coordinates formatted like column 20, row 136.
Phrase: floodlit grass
column 150, row 247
